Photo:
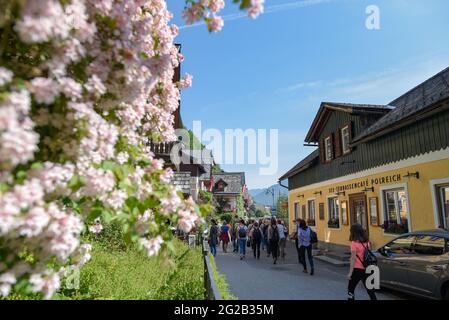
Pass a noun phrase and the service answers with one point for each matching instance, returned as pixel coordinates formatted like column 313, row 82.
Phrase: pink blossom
column 152, row 246
column 44, row 90
column 194, row 13
column 34, row 222
column 256, row 8
column 166, row 176
column 95, row 85
column 5, row 76
column 216, row 5
column 18, row 145
column 70, row 88
column 47, row 284
column 186, row 82
column 115, row 199
column 96, row 228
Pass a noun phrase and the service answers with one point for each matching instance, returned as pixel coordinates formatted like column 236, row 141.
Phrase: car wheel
column 446, row 294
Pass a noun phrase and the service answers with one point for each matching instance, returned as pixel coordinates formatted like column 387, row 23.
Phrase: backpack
column 369, row 259
column 257, row 234
column 242, row 232
column 275, row 234
column 313, row 237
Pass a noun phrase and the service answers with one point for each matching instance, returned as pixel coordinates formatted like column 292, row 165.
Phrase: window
column 430, row 245
column 303, row 212
column 403, row 245
column 296, row 210
column 395, row 211
column 328, row 148
column 443, row 202
column 312, row 212
column 334, row 209
column 345, row 140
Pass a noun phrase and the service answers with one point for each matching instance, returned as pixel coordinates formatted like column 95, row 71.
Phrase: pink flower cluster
column 207, row 10
column 78, row 122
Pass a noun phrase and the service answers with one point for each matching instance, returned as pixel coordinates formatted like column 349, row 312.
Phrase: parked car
column 417, row 263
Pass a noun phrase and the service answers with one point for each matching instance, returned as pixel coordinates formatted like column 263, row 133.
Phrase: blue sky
column 274, row 71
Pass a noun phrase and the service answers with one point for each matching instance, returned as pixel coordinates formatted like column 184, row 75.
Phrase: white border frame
column 435, row 204
column 382, row 190
column 327, row 214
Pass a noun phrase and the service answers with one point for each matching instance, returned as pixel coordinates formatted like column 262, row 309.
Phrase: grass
column 220, row 279
column 131, row 275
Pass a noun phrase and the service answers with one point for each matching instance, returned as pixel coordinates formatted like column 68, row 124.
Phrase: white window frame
column 328, row 149
column 328, row 211
column 296, row 205
column 436, row 198
column 348, row 150
column 392, row 187
column 314, row 209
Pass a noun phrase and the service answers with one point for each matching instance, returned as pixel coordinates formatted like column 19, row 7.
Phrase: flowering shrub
column 84, row 86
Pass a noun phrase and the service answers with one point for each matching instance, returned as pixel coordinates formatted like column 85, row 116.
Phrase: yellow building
column 383, row 166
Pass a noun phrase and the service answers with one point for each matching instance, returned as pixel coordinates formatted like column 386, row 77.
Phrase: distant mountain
column 261, row 197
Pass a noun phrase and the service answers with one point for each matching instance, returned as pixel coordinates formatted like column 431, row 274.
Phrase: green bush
column 131, row 275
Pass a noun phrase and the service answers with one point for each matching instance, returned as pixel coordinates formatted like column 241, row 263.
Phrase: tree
column 84, row 86
column 282, row 209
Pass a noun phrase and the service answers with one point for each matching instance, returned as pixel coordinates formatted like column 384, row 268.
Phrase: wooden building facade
column 384, row 166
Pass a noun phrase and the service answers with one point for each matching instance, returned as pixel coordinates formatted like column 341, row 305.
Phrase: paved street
column 260, row 279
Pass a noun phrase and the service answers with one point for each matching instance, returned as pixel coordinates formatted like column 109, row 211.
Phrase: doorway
column 358, row 210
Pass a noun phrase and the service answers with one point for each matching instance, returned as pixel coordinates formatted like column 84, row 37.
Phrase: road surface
column 252, row 279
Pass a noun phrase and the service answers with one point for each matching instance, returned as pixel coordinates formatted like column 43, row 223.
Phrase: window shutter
column 338, row 144
column 350, row 133
column 332, row 136
column 322, row 151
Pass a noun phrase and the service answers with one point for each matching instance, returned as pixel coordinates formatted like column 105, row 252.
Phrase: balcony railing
column 161, row 148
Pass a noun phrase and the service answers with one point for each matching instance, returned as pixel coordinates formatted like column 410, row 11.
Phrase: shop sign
column 371, row 182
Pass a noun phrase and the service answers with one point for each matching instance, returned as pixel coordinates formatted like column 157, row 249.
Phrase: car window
column 430, row 245
column 402, row 245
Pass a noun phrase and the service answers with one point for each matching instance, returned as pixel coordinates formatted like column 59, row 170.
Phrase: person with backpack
column 305, row 235
column 242, row 231
column 273, row 239
column 225, row 236
column 361, row 258
column 282, row 239
column 265, row 237
column 234, row 238
column 213, row 237
column 256, row 236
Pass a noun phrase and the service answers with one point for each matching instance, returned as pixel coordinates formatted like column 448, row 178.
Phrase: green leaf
column 94, row 214
column 75, row 183
column 109, row 165
column 106, row 216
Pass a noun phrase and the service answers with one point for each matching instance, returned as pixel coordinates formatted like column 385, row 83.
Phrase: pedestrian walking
column 273, row 239
column 213, row 237
column 282, row 239
column 225, row 236
column 234, row 239
column 242, row 236
column 265, row 245
column 294, row 236
column 357, row 269
column 256, row 236
column 305, row 245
